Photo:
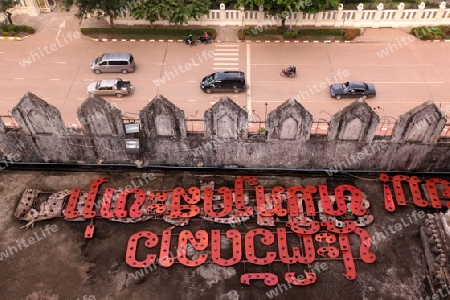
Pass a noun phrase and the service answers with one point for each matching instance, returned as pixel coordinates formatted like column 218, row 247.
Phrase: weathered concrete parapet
column 435, row 237
column 35, row 116
column 423, row 124
column 290, row 121
column 356, row 122
column 226, row 119
column 161, row 118
column 2, row 126
column 99, row 117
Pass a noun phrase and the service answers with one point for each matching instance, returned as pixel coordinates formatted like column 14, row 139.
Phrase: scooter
column 189, row 42
column 204, row 40
column 288, row 73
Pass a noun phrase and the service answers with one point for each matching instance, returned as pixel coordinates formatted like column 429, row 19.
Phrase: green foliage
column 283, row 8
column 162, row 33
column 15, row 30
column 5, row 5
column 431, row 33
column 291, row 34
column 251, row 33
column 107, row 8
column 351, row 33
column 174, row 11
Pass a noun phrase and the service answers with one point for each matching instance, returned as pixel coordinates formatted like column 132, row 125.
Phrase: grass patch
column 432, row 33
column 320, row 34
column 147, row 33
column 15, row 30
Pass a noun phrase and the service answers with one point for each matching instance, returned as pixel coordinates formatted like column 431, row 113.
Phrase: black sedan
column 352, row 89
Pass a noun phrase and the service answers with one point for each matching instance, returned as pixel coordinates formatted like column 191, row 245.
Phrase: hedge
column 169, row 32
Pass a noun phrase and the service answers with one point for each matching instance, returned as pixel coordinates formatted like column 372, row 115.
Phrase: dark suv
column 223, row 82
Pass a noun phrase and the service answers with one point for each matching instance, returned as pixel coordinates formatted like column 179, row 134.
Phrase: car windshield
column 209, row 79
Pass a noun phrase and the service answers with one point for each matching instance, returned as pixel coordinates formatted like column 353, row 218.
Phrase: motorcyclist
column 205, row 37
column 189, row 40
column 292, row 70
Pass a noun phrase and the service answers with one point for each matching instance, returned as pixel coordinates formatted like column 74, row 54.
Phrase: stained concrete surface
column 64, row 265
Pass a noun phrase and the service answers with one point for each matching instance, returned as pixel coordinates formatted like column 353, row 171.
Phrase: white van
column 114, row 62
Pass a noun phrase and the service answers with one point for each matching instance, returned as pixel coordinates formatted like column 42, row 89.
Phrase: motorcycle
column 189, row 41
column 287, row 72
column 205, row 40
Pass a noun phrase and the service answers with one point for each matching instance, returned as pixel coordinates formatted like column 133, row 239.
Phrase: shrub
column 429, row 33
column 291, row 34
column 168, row 32
column 351, row 33
column 241, row 34
column 11, row 30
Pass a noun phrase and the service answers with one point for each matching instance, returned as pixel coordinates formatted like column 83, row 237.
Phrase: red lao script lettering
column 294, row 202
column 192, row 249
column 397, row 197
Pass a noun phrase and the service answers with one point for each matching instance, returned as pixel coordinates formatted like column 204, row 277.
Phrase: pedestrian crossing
column 226, row 57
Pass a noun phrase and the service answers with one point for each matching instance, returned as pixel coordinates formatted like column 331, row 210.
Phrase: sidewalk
column 377, row 35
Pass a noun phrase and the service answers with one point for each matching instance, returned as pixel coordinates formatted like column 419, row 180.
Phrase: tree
column 107, row 8
column 5, row 5
column 284, row 8
column 175, row 11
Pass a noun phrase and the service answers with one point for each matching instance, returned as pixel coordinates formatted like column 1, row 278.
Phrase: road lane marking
column 192, row 100
column 228, row 50
column 19, row 78
column 225, row 64
column 228, row 68
column 408, row 82
column 88, row 79
column 395, row 82
column 226, row 58
column 226, row 54
column 191, row 81
column 61, row 62
column 427, row 65
column 227, row 45
column 54, row 79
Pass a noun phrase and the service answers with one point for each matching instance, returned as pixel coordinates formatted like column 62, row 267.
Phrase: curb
column 12, row 38
column 218, row 41
column 237, row 41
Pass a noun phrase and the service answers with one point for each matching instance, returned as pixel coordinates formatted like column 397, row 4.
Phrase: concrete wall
column 351, row 143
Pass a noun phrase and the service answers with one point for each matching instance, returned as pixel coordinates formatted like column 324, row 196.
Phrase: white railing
column 359, row 17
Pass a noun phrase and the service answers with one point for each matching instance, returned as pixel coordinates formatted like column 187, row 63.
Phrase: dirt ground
column 65, row 265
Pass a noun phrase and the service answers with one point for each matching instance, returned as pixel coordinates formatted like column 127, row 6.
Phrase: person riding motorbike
column 205, row 38
column 189, row 40
column 292, row 70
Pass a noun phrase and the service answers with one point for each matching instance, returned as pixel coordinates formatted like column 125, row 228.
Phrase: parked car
column 228, row 81
column 110, row 87
column 119, row 62
column 352, row 89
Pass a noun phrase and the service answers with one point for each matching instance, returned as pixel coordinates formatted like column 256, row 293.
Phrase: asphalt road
column 407, row 73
